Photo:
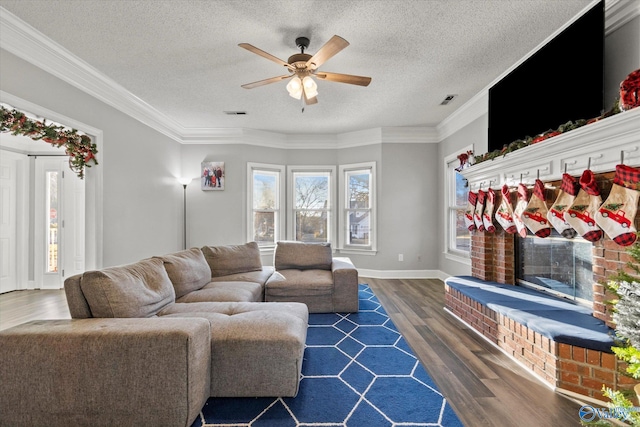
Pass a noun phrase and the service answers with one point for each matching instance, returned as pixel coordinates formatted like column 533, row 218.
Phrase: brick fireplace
column 599, row 146
column 493, row 254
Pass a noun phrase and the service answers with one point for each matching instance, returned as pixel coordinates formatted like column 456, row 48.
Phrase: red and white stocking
column 488, row 211
column 521, row 206
column 477, row 215
column 470, row 210
column 566, row 196
column 617, row 214
column 504, row 213
column 535, row 215
column 580, row 215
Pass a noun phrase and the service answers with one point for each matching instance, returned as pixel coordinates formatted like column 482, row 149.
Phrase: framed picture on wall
column 212, row 176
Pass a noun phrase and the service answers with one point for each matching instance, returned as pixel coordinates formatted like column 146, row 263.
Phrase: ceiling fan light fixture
column 310, row 87
column 294, row 87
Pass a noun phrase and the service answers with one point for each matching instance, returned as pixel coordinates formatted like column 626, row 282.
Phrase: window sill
column 350, row 251
column 462, row 257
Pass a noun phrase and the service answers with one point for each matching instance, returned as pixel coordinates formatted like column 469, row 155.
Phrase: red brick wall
column 568, row 367
column 493, row 254
column 564, row 366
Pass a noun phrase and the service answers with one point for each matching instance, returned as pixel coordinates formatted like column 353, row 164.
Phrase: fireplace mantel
column 597, row 146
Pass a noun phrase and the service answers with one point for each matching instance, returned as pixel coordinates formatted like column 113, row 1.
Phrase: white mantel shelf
column 598, row 144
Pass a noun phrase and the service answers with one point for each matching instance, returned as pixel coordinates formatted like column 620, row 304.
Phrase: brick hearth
column 571, row 368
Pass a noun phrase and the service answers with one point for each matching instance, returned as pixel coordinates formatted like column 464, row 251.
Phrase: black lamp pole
column 184, row 217
column 184, row 182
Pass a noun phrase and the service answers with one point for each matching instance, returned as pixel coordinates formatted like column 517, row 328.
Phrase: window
column 457, row 237
column 311, row 203
column 357, row 207
column 266, row 186
column 52, row 221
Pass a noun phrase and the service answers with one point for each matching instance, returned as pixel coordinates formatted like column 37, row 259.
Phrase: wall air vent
column 447, row 99
column 235, row 113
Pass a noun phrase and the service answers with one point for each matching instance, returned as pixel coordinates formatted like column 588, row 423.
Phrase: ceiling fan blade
column 265, row 81
column 330, row 48
column 264, row 54
column 344, row 78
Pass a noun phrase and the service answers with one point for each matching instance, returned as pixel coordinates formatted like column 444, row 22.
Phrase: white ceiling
column 182, row 56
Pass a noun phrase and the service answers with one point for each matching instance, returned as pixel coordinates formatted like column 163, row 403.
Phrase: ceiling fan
column 302, row 67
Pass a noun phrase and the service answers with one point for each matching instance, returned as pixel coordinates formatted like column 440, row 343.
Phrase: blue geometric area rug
column 358, row 371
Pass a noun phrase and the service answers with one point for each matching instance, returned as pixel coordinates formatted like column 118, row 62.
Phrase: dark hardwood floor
column 483, row 386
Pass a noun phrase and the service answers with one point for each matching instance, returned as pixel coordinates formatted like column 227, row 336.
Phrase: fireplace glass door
column 557, row 265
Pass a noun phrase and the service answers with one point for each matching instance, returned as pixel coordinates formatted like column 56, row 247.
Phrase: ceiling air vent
column 447, row 99
column 235, row 113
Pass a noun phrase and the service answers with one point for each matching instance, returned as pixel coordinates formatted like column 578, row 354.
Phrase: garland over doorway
column 78, row 146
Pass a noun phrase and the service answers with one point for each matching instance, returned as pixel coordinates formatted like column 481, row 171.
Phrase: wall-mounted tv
column 562, row 81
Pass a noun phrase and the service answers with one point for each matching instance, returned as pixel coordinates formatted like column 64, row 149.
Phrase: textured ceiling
column 182, row 58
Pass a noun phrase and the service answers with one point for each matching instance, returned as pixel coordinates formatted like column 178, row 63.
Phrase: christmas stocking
column 470, row 210
column 617, row 214
column 504, row 214
column 580, row 215
column 521, row 205
column 477, row 215
column 567, row 195
column 535, row 215
column 488, row 211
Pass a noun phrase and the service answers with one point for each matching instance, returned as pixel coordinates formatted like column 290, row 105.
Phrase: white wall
column 141, row 198
column 407, row 212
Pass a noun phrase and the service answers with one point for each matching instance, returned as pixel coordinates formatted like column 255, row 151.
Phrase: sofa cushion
column 259, row 276
column 141, row 289
column 296, row 283
column 302, row 256
column 226, row 291
column 187, row 270
column 232, row 259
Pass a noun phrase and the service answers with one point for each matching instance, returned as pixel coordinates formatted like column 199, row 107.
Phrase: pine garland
column 78, row 147
column 530, row 140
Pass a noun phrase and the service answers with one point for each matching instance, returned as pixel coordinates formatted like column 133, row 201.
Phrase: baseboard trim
column 402, row 274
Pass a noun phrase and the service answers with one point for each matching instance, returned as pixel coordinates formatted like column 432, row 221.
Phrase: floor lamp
column 184, row 182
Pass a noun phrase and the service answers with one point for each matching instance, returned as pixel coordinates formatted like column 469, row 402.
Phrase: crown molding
column 597, row 146
column 27, row 43
column 410, row 135
column 620, row 12
column 617, row 14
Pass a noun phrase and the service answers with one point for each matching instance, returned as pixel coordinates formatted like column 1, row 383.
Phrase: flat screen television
column 562, row 81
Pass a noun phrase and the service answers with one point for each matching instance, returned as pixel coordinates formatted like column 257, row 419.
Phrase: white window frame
column 343, row 245
column 450, row 250
column 291, row 209
column 280, row 216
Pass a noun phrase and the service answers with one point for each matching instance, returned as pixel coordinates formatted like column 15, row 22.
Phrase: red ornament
column 630, row 91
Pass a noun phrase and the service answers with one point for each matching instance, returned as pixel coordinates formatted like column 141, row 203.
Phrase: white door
column 8, row 222
column 59, row 222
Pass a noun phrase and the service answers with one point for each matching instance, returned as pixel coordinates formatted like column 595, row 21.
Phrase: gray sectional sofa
column 149, row 342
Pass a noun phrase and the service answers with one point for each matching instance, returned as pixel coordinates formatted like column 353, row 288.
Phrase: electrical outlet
column 400, row 257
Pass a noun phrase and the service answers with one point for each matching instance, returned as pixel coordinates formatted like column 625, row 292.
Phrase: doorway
column 80, row 236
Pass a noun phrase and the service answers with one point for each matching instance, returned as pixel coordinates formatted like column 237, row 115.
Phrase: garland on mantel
column 78, row 146
column 468, row 158
column 629, row 98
